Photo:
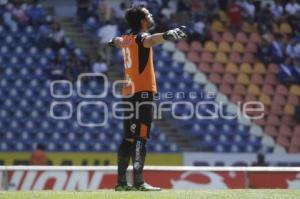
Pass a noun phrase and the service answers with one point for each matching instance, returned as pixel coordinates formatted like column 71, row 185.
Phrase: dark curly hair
column 134, row 16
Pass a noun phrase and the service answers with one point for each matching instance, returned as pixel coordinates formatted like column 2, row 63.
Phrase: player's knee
column 144, row 130
column 125, row 147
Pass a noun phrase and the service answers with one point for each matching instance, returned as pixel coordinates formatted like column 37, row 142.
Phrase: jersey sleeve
column 140, row 38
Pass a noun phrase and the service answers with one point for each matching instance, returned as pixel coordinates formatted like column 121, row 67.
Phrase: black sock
column 124, row 154
column 138, row 160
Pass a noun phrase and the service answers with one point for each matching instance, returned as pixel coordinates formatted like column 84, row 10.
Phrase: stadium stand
column 250, row 79
column 25, row 100
column 207, row 135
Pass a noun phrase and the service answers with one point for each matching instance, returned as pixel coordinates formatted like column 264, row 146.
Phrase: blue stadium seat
column 49, row 53
column 24, row 41
column 2, row 32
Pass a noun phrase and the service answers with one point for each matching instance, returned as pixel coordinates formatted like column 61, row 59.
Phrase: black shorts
column 138, row 125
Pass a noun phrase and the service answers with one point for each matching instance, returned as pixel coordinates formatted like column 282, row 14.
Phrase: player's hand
column 111, row 43
column 175, row 34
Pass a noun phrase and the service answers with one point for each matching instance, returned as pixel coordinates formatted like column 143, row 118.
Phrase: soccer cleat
column 145, row 187
column 123, row 188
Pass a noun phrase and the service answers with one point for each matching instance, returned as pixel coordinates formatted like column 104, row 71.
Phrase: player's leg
column 124, row 153
column 138, row 160
column 139, row 155
column 141, row 134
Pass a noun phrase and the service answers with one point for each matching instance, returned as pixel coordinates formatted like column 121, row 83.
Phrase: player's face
column 149, row 18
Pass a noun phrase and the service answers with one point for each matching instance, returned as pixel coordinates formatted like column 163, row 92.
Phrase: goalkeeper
column 140, row 86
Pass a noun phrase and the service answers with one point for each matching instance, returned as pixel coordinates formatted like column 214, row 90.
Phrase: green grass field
column 166, row 194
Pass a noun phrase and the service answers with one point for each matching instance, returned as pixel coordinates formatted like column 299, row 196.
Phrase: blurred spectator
column 199, row 31
column 295, row 22
column 277, row 49
column 211, row 7
column 39, row 156
column 119, row 12
column 83, row 9
column 18, row 12
column 297, row 51
column 57, row 68
column 100, row 65
column 293, row 51
column 183, row 6
column 3, row 3
column 105, row 33
column 154, row 7
column 264, row 19
column 57, row 34
column 257, row 4
column 169, row 10
column 264, row 50
column 297, row 113
column 91, row 23
column 277, row 10
column 292, row 7
column 10, row 22
column 36, row 12
column 199, row 27
column 139, row 2
column 172, row 5
column 85, row 64
column 260, row 162
column 235, row 16
column 249, row 9
column 162, row 24
column 73, row 68
column 79, row 54
column 44, row 34
column 104, row 11
column 223, row 5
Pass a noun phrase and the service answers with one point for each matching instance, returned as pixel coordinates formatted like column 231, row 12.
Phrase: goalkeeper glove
column 175, row 34
column 111, row 43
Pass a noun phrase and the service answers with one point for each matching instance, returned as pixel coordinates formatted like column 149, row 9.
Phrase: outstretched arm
column 155, row 39
column 170, row 35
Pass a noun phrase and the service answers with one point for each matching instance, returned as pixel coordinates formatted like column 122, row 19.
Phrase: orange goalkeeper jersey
column 138, row 63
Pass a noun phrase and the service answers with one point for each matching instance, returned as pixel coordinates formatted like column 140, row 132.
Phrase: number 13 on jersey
column 127, row 58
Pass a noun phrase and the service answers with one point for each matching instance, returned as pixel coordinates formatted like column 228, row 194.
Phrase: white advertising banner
column 238, row 159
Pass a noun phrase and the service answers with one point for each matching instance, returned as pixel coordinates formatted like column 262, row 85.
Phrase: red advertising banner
column 60, row 180
column 273, row 180
column 196, row 179
column 95, row 180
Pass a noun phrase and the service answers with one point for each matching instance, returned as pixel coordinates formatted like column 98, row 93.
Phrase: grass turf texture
column 165, row 194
